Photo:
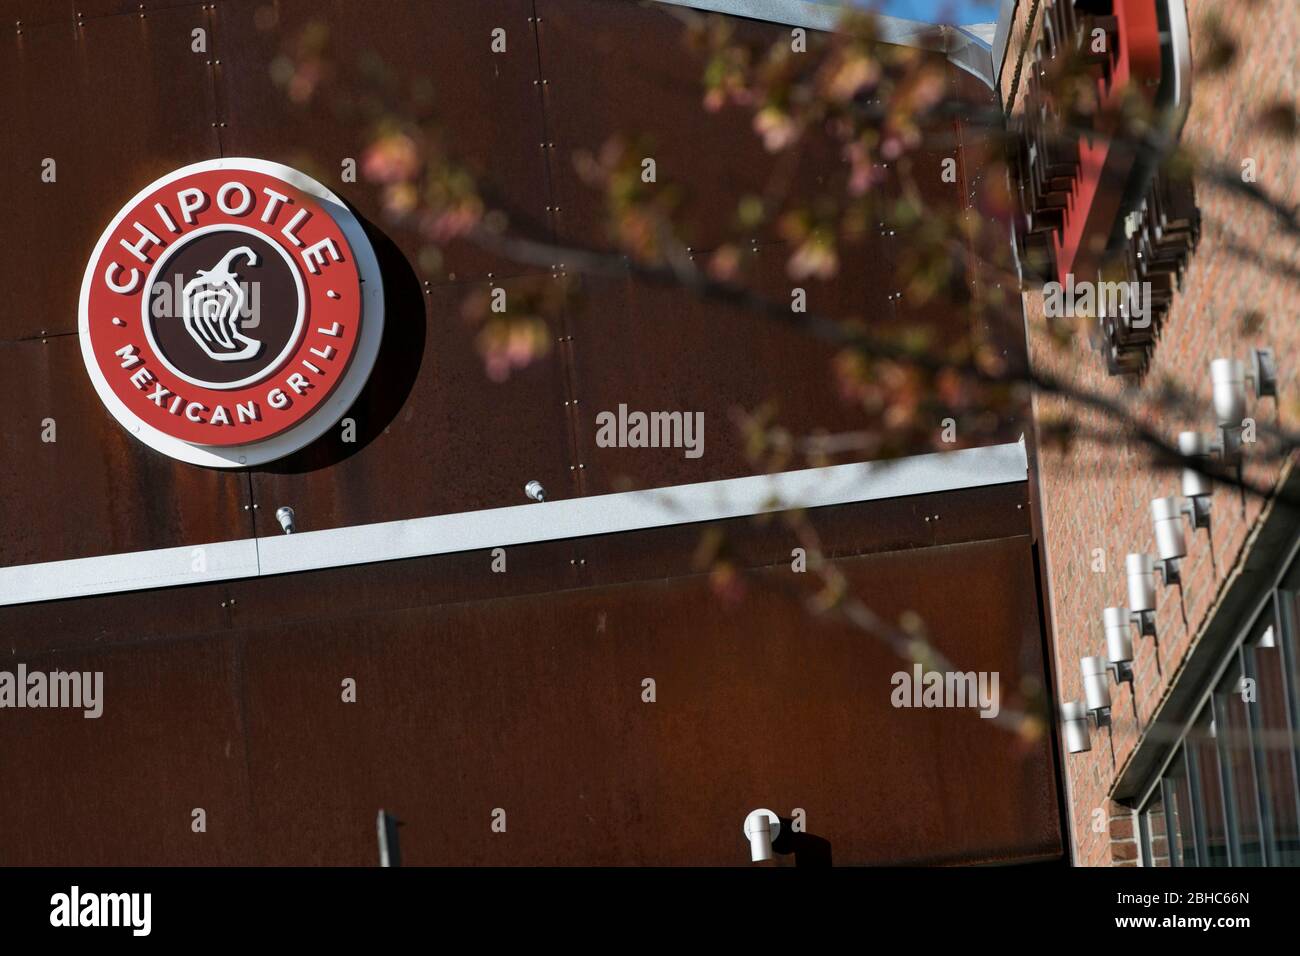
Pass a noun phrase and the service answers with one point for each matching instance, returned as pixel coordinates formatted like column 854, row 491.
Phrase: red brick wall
column 1097, row 497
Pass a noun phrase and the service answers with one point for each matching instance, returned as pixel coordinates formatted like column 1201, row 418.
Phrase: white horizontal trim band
column 129, row 571
column 518, row 524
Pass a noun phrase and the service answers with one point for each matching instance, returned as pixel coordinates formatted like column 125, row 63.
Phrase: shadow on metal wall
column 396, row 368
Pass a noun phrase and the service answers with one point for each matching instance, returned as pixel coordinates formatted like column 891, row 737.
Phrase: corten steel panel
column 108, row 8
column 894, row 524
column 534, row 569
column 618, row 68
column 95, row 489
column 439, row 437
column 109, row 620
column 121, row 789
column 656, row 349
column 67, row 12
column 534, row 706
column 917, row 521
column 116, row 102
column 485, row 103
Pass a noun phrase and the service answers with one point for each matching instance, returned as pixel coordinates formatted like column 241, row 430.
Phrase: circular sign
column 231, row 312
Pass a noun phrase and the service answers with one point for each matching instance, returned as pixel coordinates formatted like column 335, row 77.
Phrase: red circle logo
column 231, row 312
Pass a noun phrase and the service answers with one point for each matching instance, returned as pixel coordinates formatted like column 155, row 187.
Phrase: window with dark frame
column 1229, row 794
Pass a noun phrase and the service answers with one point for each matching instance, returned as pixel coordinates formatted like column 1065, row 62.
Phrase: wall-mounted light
column 1228, row 376
column 1140, row 571
column 1074, row 722
column 1096, row 688
column 535, row 491
column 761, row 828
column 284, row 515
column 1171, row 539
column 1198, row 487
column 1118, row 623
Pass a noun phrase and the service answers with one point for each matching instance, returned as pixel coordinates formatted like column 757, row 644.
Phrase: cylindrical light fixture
column 1167, row 521
column 1228, row 377
column 1096, row 688
column 1074, row 722
column 761, row 828
column 1118, row 622
column 1195, row 445
column 1140, row 569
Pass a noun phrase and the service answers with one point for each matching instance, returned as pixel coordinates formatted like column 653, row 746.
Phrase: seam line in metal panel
column 565, row 350
column 556, row 520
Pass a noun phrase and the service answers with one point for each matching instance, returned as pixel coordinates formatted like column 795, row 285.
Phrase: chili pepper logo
column 212, row 305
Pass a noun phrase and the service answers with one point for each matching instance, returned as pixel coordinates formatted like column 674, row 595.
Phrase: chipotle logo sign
column 231, row 312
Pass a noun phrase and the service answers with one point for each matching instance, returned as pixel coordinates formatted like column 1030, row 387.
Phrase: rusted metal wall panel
column 615, row 68
column 122, row 788
column 533, row 704
column 115, row 102
column 434, row 435
column 893, row 524
column 94, row 489
column 486, row 103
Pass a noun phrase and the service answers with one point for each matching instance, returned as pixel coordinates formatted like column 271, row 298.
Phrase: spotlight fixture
column 1198, row 488
column 1140, row 570
column 761, row 828
column 1228, row 377
column 1074, row 721
column 1096, row 688
column 1119, row 641
column 284, row 515
column 1171, row 540
column 535, row 490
